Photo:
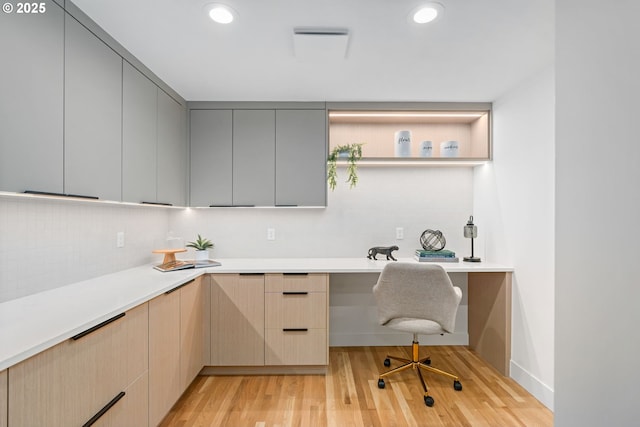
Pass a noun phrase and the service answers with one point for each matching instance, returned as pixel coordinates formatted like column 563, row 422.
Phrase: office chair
column 418, row 299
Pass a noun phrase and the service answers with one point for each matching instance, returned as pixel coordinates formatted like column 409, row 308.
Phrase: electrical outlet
column 120, row 239
column 399, row 233
column 271, row 234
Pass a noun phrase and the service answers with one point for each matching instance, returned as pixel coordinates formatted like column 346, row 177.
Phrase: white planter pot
column 201, row 255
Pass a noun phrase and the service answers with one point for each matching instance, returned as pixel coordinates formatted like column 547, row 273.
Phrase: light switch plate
column 271, row 234
column 120, row 239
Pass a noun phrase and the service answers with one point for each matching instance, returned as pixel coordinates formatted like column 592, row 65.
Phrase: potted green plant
column 202, row 246
column 353, row 153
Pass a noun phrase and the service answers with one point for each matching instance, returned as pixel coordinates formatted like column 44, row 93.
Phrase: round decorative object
column 432, row 240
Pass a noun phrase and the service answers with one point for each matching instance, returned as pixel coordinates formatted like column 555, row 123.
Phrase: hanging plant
column 353, row 153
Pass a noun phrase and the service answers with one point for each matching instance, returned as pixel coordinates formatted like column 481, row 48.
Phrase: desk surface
column 37, row 322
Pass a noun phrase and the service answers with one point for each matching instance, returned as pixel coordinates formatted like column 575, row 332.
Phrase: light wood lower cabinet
column 3, row 399
column 192, row 303
column 296, row 319
column 164, row 355
column 269, row 320
column 237, row 320
column 176, row 340
column 74, row 381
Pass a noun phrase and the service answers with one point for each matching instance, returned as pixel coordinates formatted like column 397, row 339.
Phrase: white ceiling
column 477, row 51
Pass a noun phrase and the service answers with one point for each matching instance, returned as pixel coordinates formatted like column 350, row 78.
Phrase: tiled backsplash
column 47, row 243
column 413, row 198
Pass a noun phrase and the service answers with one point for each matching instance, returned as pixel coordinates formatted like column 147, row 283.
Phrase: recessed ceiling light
column 221, row 13
column 428, row 12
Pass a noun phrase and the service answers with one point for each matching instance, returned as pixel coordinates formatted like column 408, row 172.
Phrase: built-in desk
column 34, row 323
column 487, row 298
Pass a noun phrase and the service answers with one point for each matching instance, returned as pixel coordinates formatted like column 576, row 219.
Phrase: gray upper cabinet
column 139, row 117
column 254, row 157
column 31, row 101
column 301, row 152
column 92, row 115
column 172, row 151
column 211, row 157
column 261, row 156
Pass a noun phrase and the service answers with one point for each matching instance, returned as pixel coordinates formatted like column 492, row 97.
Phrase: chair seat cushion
column 415, row 326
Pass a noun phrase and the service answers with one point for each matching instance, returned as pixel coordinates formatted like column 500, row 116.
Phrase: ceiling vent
column 320, row 44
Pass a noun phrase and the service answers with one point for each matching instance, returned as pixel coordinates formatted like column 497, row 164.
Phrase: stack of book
column 436, row 256
column 180, row 264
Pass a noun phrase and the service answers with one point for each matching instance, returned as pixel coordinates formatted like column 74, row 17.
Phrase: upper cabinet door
column 138, row 136
column 254, row 157
column 301, row 157
column 172, row 151
column 31, row 100
column 92, row 115
column 211, row 157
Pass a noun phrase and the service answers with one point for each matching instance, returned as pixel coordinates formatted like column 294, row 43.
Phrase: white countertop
column 37, row 322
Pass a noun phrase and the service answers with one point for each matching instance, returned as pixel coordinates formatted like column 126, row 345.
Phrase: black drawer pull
column 251, row 274
column 295, row 293
column 104, row 410
column 178, row 287
column 295, row 274
column 295, row 329
column 98, row 326
column 47, row 193
column 156, row 203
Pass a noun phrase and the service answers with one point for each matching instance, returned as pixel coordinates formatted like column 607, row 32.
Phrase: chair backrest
column 418, row 291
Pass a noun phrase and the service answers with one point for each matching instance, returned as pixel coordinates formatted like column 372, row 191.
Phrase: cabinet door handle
column 178, row 287
column 104, row 410
column 98, row 326
column 156, row 203
column 251, row 274
column 48, row 193
column 295, row 329
column 295, row 274
column 295, row 293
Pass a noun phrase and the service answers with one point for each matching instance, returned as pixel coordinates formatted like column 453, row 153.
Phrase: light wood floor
column 349, row 396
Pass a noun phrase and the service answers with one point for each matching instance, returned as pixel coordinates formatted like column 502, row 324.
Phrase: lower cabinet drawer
column 293, row 346
column 132, row 408
column 296, row 310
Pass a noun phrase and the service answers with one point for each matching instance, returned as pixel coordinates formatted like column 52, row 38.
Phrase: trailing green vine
column 354, row 153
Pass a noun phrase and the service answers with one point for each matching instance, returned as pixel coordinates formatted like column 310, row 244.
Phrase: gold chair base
column 418, row 365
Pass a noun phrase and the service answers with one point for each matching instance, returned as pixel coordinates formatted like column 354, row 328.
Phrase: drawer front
column 292, row 282
column 303, row 347
column 296, row 310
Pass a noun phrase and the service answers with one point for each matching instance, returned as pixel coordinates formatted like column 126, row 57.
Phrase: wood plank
column 349, row 396
column 490, row 318
column 3, row 399
column 237, row 320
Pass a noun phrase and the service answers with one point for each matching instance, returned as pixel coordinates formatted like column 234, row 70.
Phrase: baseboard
column 347, row 339
column 265, row 370
column 533, row 385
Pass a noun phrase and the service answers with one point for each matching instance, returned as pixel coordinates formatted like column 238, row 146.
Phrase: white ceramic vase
column 426, row 149
column 449, row 149
column 402, row 143
column 201, row 255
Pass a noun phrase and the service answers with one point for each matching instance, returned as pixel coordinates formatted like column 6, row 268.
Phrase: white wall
column 514, row 211
column 597, row 212
column 355, row 219
column 45, row 244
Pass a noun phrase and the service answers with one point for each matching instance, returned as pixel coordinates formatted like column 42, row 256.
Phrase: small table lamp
column 471, row 231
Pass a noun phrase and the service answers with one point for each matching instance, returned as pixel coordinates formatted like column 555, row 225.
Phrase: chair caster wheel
column 457, row 386
column 387, row 362
column 380, row 383
column 428, row 400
